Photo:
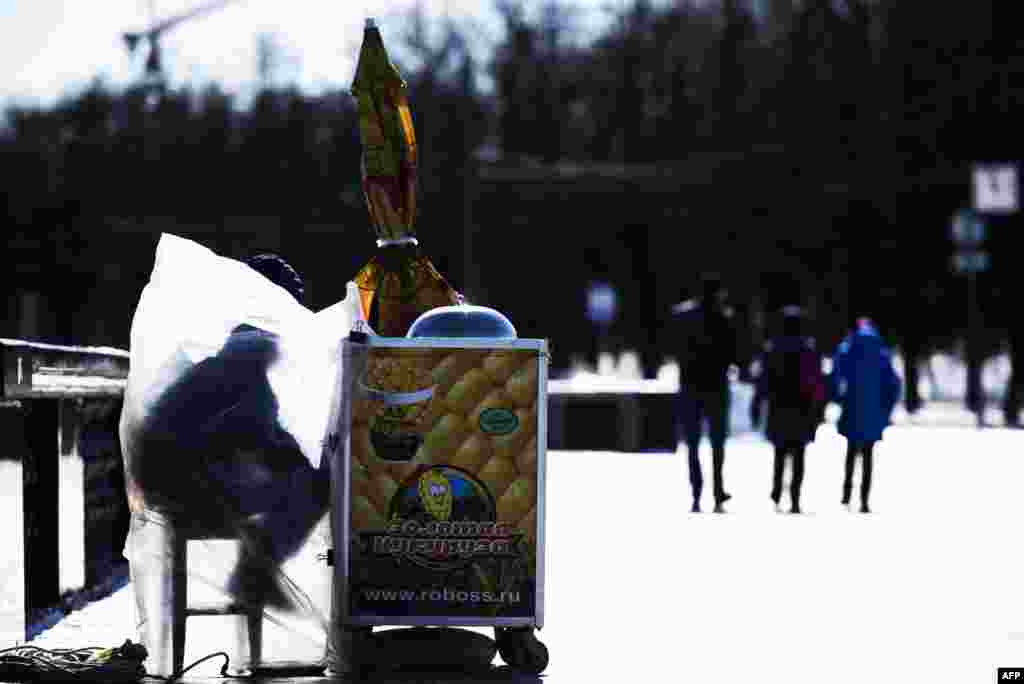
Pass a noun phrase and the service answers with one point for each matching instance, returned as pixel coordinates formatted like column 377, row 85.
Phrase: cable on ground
column 117, row 665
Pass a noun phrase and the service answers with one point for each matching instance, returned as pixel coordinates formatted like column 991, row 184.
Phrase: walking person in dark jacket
column 707, row 344
column 792, row 384
column 866, row 387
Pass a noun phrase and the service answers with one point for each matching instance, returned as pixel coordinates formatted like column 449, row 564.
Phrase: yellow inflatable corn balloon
column 399, row 283
column 389, row 141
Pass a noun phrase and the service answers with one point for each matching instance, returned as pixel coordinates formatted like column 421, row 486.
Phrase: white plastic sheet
column 229, row 391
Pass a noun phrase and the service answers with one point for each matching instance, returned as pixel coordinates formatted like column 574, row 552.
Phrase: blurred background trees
column 807, row 149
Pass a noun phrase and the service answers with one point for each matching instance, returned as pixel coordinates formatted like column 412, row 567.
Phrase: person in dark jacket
column 1015, row 387
column 215, row 451
column 792, row 384
column 865, row 385
column 707, row 345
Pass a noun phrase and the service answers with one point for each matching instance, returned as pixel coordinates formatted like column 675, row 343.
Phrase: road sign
column 967, row 229
column 970, row 261
column 996, row 188
column 602, row 303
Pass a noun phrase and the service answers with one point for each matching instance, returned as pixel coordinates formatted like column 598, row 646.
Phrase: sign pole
column 975, row 389
column 968, row 232
column 996, row 191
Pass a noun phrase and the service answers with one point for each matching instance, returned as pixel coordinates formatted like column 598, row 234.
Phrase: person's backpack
column 812, row 382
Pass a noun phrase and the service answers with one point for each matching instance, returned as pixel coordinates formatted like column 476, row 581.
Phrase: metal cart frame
column 513, row 634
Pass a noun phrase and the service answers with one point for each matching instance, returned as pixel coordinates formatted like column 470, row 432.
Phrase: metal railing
column 61, row 479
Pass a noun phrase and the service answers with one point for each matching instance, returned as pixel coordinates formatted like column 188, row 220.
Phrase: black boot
column 254, row 581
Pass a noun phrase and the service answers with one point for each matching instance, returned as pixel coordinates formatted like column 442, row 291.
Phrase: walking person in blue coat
column 866, row 387
column 792, row 385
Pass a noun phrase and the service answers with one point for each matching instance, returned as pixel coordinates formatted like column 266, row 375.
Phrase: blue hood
column 865, row 385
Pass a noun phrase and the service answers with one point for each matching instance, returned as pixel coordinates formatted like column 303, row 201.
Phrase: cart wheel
column 520, row 649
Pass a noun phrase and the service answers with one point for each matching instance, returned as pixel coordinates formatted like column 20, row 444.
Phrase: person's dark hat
column 279, row 272
column 792, row 319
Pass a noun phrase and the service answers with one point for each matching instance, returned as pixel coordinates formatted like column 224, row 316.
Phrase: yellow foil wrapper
column 399, row 283
column 388, row 138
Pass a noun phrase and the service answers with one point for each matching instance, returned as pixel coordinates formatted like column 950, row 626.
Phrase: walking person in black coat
column 793, row 386
column 707, row 343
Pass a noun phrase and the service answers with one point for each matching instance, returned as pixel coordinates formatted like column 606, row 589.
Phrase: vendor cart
column 438, row 462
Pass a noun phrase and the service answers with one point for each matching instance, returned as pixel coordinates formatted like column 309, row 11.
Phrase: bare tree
column 272, row 61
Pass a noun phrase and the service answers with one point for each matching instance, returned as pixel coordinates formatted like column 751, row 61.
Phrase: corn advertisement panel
column 444, row 483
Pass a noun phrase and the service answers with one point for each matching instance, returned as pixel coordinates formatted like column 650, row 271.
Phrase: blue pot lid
column 463, row 320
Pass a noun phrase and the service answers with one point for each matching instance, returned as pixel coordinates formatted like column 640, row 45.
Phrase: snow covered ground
column 943, row 377
column 925, row 589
